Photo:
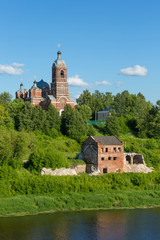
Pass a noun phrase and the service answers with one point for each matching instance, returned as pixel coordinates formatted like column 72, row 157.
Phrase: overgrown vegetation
column 32, row 204
column 132, row 113
column 48, row 140
column 15, row 182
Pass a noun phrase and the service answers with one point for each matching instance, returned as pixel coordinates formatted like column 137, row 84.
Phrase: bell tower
column 59, row 85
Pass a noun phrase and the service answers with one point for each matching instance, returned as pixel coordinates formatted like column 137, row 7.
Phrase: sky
column 110, row 46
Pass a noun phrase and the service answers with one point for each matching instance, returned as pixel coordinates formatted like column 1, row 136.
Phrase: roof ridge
column 111, row 140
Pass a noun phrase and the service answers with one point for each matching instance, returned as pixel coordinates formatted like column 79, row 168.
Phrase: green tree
column 85, row 111
column 5, row 97
column 85, row 98
column 49, row 158
column 96, row 101
column 39, row 118
column 53, row 118
column 73, row 123
column 112, row 124
column 3, row 114
column 14, row 110
column 25, row 117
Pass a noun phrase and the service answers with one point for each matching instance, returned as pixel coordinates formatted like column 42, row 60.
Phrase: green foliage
column 29, row 118
column 112, row 124
column 53, row 118
column 24, row 204
column 123, row 124
column 96, row 101
column 14, row 146
column 48, row 158
column 25, row 117
column 134, row 113
column 52, row 132
column 85, row 111
column 26, row 183
column 73, row 124
column 149, row 148
column 14, row 109
column 91, row 131
column 5, row 97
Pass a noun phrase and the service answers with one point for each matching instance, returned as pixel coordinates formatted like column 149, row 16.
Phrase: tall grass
column 31, row 204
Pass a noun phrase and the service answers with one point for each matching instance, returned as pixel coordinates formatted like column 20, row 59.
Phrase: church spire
column 21, row 85
column 35, row 82
column 59, row 52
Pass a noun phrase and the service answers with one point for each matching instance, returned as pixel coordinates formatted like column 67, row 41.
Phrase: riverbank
column 115, row 199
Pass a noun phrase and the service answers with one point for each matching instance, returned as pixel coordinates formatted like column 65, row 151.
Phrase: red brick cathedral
column 43, row 94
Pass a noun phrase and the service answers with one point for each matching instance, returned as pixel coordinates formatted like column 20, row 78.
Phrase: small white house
column 102, row 115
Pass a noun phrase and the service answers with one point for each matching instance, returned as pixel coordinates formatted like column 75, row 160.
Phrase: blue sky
column 107, row 45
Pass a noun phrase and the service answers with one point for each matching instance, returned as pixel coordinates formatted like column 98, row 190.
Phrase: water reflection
column 112, row 224
column 86, row 225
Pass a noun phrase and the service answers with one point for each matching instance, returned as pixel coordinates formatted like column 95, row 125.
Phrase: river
column 136, row 224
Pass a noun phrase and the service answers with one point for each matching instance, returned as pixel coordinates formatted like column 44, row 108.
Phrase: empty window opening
column 61, row 91
column 119, row 149
column 102, row 158
column 128, row 159
column 62, row 74
column 109, row 158
column 137, row 159
column 104, row 170
column 102, row 150
column 114, row 149
column 106, row 149
column 115, row 158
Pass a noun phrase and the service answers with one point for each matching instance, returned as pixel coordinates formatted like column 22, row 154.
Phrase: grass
column 33, row 204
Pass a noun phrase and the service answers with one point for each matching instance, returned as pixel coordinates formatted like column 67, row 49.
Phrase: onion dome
column 59, row 61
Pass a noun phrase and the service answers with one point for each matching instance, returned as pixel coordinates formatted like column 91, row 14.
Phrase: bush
column 48, row 158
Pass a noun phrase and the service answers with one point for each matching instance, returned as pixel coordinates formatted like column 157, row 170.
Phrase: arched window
column 62, row 74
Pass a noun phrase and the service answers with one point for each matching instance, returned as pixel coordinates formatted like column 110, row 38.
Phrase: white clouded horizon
column 76, row 81
column 105, row 83
column 118, row 84
column 137, row 70
column 12, row 69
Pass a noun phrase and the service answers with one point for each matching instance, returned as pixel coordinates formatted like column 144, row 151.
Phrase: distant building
column 104, row 153
column 102, row 115
column 43, row 94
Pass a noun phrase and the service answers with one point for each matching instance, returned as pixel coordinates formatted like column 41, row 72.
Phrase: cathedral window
column 62, row 74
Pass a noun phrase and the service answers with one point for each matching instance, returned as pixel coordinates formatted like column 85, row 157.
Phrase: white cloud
column 18, row 64
column 137, row 70
column 76, row 81
column 11, row 70
column 118, row 84
column 104, row 83
column 77, row 95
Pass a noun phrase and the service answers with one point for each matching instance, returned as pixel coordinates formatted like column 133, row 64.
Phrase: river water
column 137, row 224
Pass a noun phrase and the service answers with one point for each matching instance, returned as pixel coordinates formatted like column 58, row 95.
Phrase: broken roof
column 107, row 140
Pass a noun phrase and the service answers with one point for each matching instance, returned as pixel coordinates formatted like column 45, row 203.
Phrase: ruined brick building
column 104, row 153
column 56, row 93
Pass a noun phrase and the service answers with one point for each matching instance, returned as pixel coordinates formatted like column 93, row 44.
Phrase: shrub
column 48, row 158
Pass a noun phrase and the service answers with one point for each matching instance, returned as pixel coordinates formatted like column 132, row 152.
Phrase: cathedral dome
column 59, row 62
column 42, row 84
